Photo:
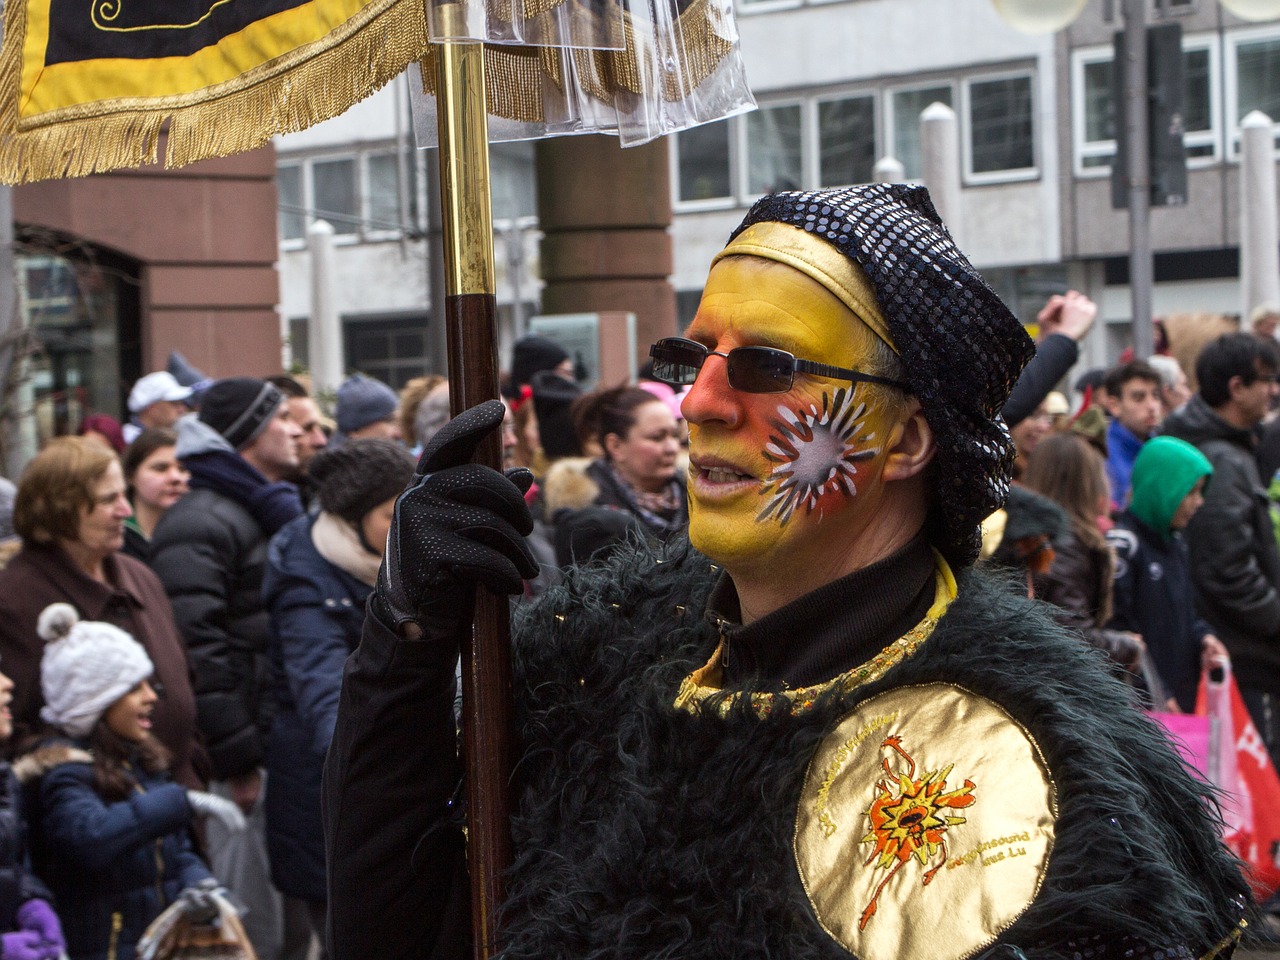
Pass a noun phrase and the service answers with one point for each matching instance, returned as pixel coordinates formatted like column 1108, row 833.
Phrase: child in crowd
column 1153, row 594
column 31, row 930
column 111, row 832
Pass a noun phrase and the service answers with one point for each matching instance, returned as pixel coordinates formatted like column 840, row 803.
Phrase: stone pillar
column 940, row 165
column 605, row 213
column 1259, row 238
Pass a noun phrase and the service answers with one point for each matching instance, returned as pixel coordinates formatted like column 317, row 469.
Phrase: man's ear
column 1110, row 403
column 911, row 444
column 1235, row 385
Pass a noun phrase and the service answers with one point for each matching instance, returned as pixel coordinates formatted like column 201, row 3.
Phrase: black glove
column 457, row 524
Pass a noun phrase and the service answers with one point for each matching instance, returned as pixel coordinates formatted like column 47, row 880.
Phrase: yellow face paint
column 784, row 477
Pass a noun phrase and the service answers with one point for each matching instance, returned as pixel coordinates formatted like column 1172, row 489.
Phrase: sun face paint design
column 815, row 455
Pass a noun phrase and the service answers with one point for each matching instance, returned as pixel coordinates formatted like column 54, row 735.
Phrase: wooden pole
column 471, row 311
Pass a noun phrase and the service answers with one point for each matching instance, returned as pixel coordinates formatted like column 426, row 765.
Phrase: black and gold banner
column 88, row 85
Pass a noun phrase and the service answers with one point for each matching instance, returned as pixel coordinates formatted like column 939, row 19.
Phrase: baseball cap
column 155, row 387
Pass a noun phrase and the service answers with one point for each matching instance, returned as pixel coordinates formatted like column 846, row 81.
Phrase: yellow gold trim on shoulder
column 925, row 825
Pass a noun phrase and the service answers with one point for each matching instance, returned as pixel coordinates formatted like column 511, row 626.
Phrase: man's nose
column 711, row 397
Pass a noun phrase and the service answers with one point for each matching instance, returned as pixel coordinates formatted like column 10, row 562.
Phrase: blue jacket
column 17, row 883
column 113, row 867
column 1123, row 446
column 317, row 611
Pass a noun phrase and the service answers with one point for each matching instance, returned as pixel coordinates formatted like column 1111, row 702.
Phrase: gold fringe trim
column 514, row 75
column 290, row 93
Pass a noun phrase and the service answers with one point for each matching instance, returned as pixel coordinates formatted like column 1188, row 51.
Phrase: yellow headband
column 815, row 258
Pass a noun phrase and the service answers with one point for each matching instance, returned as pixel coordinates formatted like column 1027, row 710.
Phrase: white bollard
column 324, row 328
column 940, row 164
column 1259, row 235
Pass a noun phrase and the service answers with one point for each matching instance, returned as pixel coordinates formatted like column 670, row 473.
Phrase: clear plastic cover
column 679, row 66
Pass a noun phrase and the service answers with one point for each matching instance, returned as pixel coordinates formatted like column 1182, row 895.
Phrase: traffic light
column 1166, row 91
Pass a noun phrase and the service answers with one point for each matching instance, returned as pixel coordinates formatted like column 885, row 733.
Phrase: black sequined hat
column 961, row 348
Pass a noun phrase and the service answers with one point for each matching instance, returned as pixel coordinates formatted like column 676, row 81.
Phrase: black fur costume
column 647, row 832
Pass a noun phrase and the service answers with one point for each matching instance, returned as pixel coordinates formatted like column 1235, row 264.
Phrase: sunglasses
column 676, row 361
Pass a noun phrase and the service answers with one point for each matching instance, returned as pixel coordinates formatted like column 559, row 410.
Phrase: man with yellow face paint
column 813, row 730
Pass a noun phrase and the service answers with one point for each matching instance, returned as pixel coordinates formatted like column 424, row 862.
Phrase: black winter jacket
column 1235, row 565
column 644, row 831
column 1153, row 598
column 1078, row 585
column 211, row 555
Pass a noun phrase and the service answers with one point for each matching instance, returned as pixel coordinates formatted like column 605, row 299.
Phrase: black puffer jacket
column 1235, row 566
column 211, row 555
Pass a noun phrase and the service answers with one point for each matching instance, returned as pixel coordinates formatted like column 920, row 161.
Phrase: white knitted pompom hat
column 87, row 666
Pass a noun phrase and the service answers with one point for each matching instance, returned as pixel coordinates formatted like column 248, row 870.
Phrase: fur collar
column 40, row 761
column 337, row 542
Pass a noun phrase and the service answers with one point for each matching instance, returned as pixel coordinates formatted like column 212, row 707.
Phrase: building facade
column 840, row 84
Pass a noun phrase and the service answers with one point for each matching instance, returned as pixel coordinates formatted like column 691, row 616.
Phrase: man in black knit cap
column 210, row 552
column 813, row 731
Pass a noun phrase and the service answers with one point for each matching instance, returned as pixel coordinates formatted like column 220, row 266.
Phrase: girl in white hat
column 111, row 831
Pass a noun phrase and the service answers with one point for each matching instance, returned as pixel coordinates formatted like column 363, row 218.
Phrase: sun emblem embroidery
column 815, row 452
column 909, row 820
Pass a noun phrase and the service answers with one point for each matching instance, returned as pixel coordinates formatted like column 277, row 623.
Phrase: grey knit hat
column 363, row 400
column 961, row 348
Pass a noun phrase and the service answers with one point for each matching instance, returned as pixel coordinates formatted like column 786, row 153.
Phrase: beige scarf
column 337, row 541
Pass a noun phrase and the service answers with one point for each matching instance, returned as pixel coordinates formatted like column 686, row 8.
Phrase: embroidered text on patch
column 911, row 823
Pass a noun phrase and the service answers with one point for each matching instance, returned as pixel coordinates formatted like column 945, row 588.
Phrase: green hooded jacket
column 1163, row 475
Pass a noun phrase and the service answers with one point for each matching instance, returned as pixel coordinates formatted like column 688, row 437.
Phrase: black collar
column 829, row 630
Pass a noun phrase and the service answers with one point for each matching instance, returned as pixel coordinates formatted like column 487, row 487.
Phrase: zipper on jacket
column 117, row 922
column 159, row 851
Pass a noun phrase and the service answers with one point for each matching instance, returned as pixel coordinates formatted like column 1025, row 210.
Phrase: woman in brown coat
column 1067, row 470
column 70, row 513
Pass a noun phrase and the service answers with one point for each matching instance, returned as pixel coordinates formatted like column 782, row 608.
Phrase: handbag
column 1249, row 789
column 177, row 934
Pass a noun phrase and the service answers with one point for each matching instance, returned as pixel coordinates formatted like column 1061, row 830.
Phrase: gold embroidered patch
column 925, row 825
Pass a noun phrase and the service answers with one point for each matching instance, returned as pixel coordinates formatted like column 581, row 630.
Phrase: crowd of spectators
column 179, row 593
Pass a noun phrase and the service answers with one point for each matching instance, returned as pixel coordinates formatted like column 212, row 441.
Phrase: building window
column 359, row 195
column 773, row 150
column 702, row 159
column 514, row 178
column 906, row 107
column 1258, row 78
column 846, row 141
column 1094, row 109
column 392, row 349
column 382, row 174
column 334, row 191
column 1000, row 129
column 1255, row 80
column 292, row 209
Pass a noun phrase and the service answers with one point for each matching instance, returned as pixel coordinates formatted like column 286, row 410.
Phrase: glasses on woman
column 676, row 361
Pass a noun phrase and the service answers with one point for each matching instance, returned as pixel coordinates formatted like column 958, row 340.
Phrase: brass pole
column 471, row 311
